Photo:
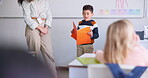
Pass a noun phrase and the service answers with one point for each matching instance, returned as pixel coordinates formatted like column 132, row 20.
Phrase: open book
column 81, row 35
column 88, row 60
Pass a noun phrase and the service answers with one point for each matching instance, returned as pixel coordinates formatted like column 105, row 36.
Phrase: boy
column 87, row 28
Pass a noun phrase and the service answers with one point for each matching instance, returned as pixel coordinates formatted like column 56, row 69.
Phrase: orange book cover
column 83, row 37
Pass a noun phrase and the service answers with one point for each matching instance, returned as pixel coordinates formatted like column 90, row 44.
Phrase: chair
column 102, row 71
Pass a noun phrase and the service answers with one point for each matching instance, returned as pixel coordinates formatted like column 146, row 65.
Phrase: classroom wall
column 12, row 35
column 12, row 31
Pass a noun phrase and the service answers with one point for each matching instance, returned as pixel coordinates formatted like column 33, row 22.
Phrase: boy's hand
column 90, row 33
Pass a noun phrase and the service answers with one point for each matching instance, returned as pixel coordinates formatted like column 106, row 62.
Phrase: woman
column 122, row 46
column 38, row 20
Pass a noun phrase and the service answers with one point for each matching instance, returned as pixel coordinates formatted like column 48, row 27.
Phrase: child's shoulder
column 80, row 22
column 93, row 22
column 89, row 23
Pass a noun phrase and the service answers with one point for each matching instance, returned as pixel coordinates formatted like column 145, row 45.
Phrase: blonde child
column 122, row 46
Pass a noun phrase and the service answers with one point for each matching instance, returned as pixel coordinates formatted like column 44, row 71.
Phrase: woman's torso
column 38, row 8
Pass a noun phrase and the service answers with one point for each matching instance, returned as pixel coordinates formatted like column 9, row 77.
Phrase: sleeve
column 26, row 11
column 95, row 31
column 49, row 15
column 78, row 28
column 78, row 25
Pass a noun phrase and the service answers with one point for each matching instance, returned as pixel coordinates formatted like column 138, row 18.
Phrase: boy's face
column 87, row 14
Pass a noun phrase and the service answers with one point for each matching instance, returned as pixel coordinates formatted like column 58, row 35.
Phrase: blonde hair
column 119, row 41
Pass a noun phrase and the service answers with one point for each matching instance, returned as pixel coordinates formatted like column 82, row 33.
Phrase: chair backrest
column 102, row 71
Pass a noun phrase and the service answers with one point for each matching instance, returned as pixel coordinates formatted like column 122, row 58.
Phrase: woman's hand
column 43, row 30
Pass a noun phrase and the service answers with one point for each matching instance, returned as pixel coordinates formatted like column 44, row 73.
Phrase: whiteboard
column 102, row 8
column 73, row 8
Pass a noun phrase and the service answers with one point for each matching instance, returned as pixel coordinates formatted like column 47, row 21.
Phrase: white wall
column 12, row 31
column 73, row 8
column 12, row 35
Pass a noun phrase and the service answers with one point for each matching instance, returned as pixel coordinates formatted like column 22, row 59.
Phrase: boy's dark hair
column 88, row 7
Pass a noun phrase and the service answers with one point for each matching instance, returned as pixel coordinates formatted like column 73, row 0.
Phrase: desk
column 76, row 69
